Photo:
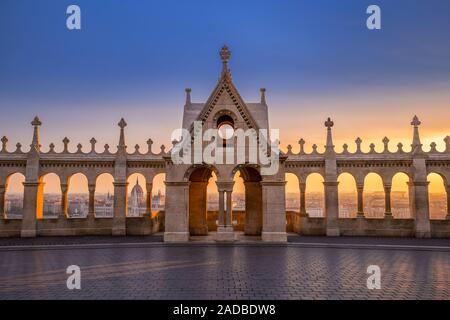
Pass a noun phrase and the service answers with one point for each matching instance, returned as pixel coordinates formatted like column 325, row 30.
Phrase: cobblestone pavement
column 223, row 272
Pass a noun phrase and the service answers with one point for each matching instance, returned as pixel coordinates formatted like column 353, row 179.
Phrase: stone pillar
column 64, row 200
column 120, row 208
column 149, row 186
column 32, row 206
column 253, row 208
column 360, row 190
column 421, row 205
column 274, row 211
column 33, row 188
column 2, row 201
column 229, row 215
column 221, row 209
column 91, row 213
column 225, row 231
column 177, row 212
column 302, row 186
column 332, row 208
column 387, row 201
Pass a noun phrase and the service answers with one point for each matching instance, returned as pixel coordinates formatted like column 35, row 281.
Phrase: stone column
column 91, row 213
column 33, row 190
column 332, row 207
column 387, row 201
column 32, row 206
column 177, row 212
column 149, row 186
column 2, row 201
column 302, row 186
column 229, row 215
column 274, row 211
column 421, row 202
column 360, row 190
column 120, row 208
column 64, row 200
column 225, row 231
column 221, row 209
column 253, row 208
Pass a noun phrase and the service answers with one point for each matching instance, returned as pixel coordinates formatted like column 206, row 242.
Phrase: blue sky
column 134, row 58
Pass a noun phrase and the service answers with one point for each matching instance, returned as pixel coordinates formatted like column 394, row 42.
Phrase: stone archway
column 253, row 200
column 198, row 183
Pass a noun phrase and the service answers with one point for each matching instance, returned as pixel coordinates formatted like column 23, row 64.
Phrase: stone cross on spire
column 225, row 55
column 35, row 144
column 416, row 145
column 122, row 124
column 329, row 124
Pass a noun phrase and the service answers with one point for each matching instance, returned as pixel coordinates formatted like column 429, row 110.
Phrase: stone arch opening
column 158, row 193
column 373, row 196
column 437, row 197
column 315, row 196
column 104, row 196
column 52, row 196
column 78, row 196
column 198, row 201
column 292, row 193
column 137, row 196
column 347, row 195
column 14, row 196
column 251, row 179
column 400, row 199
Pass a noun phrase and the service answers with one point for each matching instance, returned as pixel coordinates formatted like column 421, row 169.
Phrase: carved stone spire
column 4, row 143
column 188, row 95
column 329, row 124
column 35, row 144
column 225, row 55
column 122, row 146
column 263, row 95
column 416, row 145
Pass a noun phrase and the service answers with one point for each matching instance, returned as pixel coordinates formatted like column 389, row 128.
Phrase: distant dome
column 137, row 191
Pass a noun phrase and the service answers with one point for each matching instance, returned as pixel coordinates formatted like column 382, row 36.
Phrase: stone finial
column 386, row 144
column 136, row 148
column 18, row 147
column 433, row 147
column 314, row 147
column 225, row 55
column 163, row 149
column 345, row 148
column 4, row 141
column 51, row 148
column 122, row 147
column 301, row 142
column 400, row 147
column 93, row 142
column 358, row 142
column 35, row 144
column 106, row 148
column 149, row 144
column 416, row 145
column 263, row 95
column 329, row 146
column 447, row 144
column 372, row 148
column 289, row 149
column 188, row 95
column 79, row 147
column 66, row 144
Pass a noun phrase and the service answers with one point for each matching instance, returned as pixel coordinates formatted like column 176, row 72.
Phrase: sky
column 133, row 59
